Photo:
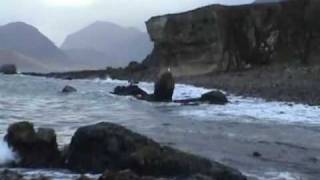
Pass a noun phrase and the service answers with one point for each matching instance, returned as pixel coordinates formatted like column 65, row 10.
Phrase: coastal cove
column 229, row 134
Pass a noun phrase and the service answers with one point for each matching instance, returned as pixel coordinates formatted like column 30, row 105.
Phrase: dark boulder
column 69, row 89
column 164, row 87
column 110, row 146
column 35, row 149
column 8, row 69
column 10, row 175
column 131, row 90
column 214, row 97
column 124, row 175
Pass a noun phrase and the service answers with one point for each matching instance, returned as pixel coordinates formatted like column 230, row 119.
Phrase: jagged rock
column 131, row 90
column 35, row 149
column 214, row 97
column 109, row 146
column 69, row 89
column 8, row 69
column 164, row 87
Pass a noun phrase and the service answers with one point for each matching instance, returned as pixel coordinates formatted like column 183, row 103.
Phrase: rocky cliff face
column 222, row 37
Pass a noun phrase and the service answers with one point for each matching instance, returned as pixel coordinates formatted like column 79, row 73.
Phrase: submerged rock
column 113, row 147
column 8, row 69
column 164, row 87
column 35, row 149
column 69, row 89
column 214, row 97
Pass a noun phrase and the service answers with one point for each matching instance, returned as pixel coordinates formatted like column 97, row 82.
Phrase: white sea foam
column 6, row 154
column 276, row 176
column 250, row 109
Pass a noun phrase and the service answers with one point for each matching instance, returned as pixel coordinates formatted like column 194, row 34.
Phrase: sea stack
column 164, row 87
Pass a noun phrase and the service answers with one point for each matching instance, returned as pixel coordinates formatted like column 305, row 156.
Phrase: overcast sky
column 58, row 18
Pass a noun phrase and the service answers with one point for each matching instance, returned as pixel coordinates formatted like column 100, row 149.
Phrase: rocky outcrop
column 163, row 90
column 164, row 87
column 8, row 69
column 131, row 90
column 36, row 149
column 68, row 89
column 214, row 97
column 217, row 37
column 113, row 149
column 110, row 146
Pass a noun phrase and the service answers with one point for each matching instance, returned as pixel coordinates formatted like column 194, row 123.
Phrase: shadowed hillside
column 29, row 49
column 107, row 44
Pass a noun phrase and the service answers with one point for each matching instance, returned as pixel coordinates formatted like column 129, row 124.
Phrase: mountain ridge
column 120, row 45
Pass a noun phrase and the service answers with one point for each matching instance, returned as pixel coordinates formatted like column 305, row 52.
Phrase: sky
column 59, row 18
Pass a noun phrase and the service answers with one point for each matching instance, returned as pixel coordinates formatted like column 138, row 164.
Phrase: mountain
column 27, row 40
column 266, row 1
column 111, row 44
column 29, row 49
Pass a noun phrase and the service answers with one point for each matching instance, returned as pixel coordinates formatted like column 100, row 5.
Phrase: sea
column 286, row 134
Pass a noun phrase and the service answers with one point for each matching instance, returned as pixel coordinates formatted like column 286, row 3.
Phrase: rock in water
column 69, row 89
column 164, row 87
column 35, row 149
column 214, row 97
column 10, row 175
column 8, row 69
column 110, row 146
column 124, row 175
column 131, row 90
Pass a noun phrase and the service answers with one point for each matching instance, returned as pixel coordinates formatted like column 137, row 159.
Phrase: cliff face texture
column 230, row 37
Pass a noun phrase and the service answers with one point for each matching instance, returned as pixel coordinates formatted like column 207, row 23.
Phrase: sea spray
column 6, row 154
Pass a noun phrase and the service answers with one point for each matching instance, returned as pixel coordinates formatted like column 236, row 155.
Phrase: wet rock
column 10, row 175
column 35, row 149
column 214, row 97
column 124, row 175
column 131, row 90
column 69, row 89
column 8, row 69
column 256, row 154
column 164, row 87
column 110, row 146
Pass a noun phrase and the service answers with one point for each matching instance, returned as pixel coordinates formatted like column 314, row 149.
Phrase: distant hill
column 27, row 40
column 107, row 44
column 29, row 49
column 267, row 1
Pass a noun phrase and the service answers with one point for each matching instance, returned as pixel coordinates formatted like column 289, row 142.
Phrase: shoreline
column 286, row 83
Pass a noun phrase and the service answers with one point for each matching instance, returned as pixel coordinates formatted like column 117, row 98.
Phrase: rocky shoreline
column 278, row 82
column 110, row 149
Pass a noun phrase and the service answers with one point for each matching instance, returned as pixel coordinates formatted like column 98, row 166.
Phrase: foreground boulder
column 8, row 69
column 35, row 149
column 164, row 87
column 68, row 89
column 110, row 146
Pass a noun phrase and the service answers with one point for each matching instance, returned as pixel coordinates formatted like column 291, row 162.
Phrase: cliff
column 224, row 38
